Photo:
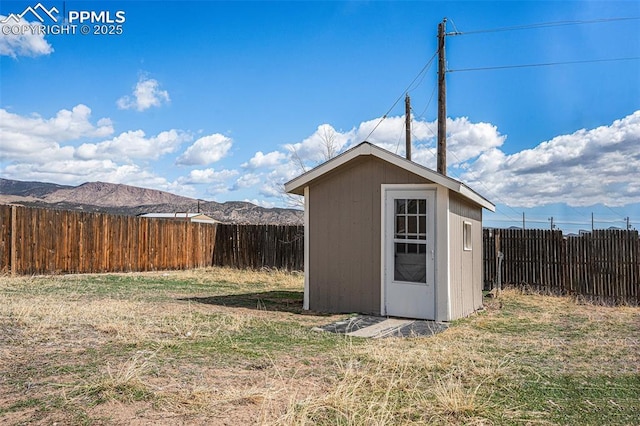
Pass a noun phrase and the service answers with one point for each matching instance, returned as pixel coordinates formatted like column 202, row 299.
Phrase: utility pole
column 628, row 224
column 591, row 221
column 552, row 225
column 442, row 101
column 523, row 220
column 407, row 125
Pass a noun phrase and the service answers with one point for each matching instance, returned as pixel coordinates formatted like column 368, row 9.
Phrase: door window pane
column 422, row 206
column 410, row 235
column 412, row 225
column 412, row 265
column 400, row 226
column 412, row 206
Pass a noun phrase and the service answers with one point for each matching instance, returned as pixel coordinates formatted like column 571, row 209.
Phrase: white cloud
column 66, row 125
column 75, row 172
column 249, row 180
column 265, row 160
column 37, row 148
column 146, row 94
column 584, row 168
column 206, row 150
column 24, row 138
column 208, row 176
column 15, row 41
column 314, row 149
column 133, row 145
column 467, row 140
column 261, row 203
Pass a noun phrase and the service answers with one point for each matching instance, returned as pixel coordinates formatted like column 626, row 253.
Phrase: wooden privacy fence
column 41, row 241
column 260, row 246
column 603, row 265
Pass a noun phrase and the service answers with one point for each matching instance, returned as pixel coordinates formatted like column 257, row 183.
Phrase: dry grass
column 221, row 346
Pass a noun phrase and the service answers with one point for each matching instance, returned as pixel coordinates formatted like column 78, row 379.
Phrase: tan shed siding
column 465, row 266
column 344, row 235
column 455, row 263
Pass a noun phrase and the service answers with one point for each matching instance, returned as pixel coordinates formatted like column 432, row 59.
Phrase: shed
column 387, row 236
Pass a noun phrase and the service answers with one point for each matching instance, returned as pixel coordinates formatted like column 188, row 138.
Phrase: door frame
column 385, row 188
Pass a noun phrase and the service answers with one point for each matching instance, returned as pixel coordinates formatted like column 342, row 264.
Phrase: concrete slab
column 380, row 327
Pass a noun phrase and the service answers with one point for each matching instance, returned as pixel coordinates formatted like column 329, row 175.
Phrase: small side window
column 466, row 236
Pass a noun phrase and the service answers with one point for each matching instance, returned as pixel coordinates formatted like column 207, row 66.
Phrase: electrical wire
column 610, row 209
column 548, row 64
column 433, row 92
column 543, row 25
column 493, row 195
column 455, row 176
column 421, row 75
column 409, row 88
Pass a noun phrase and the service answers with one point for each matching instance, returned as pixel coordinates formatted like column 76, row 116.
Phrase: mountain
column 29, row 189
column 110, row 195
column 131, row 200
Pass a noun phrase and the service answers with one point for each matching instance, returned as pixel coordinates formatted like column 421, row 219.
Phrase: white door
column 409, row 277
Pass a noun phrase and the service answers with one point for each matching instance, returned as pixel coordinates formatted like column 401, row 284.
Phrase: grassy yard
column 220, row 346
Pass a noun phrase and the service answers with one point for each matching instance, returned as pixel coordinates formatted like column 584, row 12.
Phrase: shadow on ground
column 280, row 301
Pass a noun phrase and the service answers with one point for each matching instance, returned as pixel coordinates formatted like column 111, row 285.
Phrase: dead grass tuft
column 124, row 382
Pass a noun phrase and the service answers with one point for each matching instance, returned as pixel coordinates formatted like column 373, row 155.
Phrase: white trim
column 467, row 235
column 383, row 244
column 383, row 236
column 443, row 259
column 297, row 185
column 305, row 302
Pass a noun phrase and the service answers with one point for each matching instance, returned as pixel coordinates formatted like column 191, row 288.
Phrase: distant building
column 188, row 217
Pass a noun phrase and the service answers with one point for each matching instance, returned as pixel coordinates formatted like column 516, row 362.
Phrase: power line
column 543, row 25
column 547, row 64
column 455, row 175
column 410, row 87
column 435, row 87
column 610, row 209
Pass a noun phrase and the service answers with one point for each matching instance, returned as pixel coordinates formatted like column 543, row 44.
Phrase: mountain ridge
column 102, row 197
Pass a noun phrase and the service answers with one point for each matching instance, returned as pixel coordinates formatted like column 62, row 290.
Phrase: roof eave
column 297, row 185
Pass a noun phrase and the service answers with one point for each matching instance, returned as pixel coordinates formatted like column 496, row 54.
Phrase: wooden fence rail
column 41, row 241
column 603, row 265
column 260, row 246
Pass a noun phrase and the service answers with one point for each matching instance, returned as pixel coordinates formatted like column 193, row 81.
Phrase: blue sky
column 208, row 99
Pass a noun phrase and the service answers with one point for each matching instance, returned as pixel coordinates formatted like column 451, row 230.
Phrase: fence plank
column 260, row 246
column 55, row 241
column 603, row 265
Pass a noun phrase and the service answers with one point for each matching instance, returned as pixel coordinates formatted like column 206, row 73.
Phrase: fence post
column 499, row 256
column 14, row 238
